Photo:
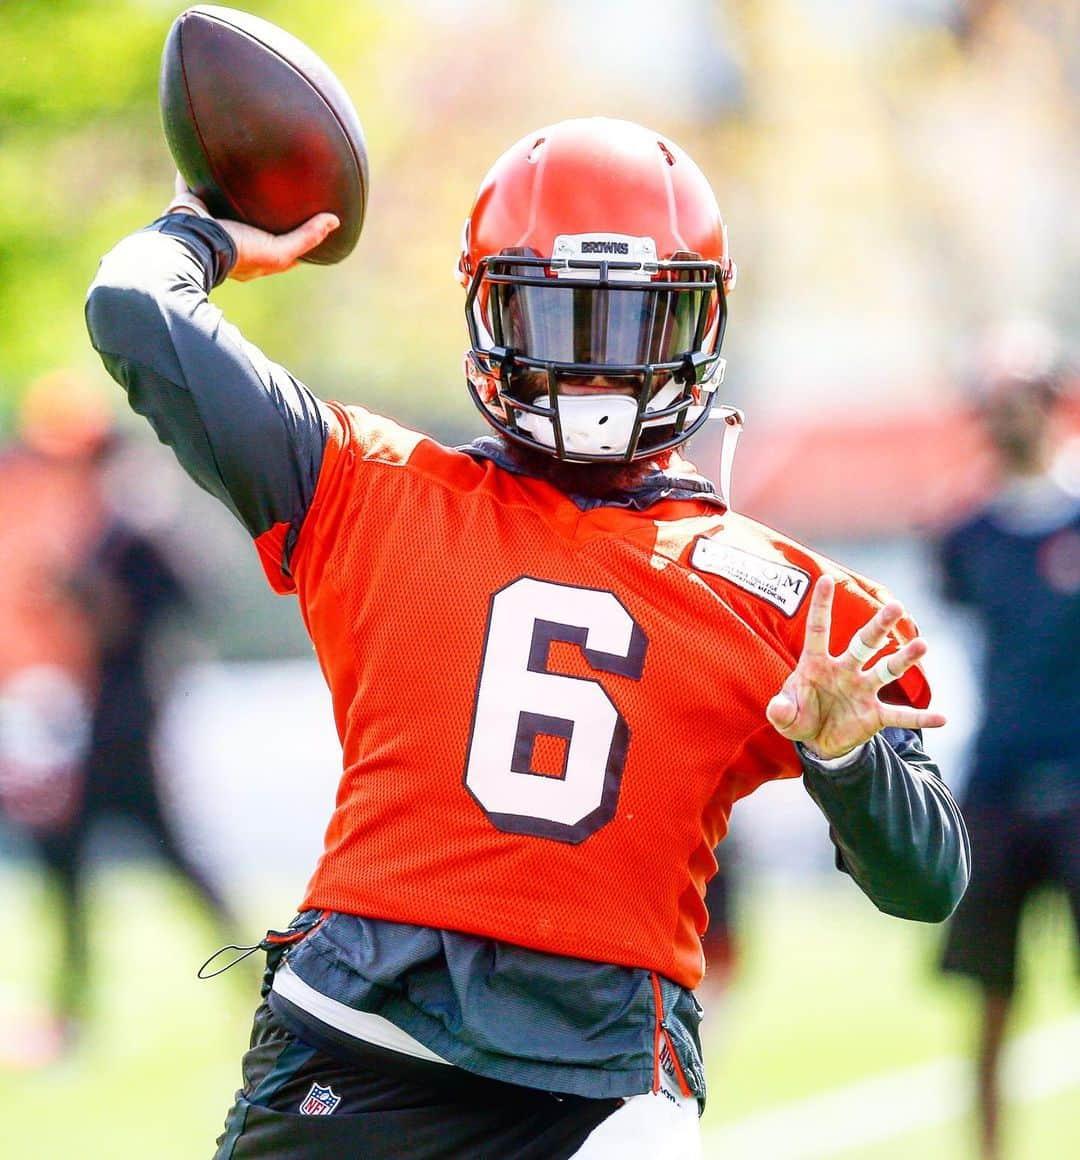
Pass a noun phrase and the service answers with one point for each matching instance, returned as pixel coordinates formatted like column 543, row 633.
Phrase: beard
column 593, row 480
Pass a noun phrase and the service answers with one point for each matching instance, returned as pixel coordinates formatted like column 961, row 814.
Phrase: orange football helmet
column 597, row 268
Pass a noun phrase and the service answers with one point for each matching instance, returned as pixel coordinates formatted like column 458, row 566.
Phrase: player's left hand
column 830, row 703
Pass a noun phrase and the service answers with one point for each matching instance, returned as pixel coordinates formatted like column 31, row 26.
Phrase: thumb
column 782, row 710
column 307, row 236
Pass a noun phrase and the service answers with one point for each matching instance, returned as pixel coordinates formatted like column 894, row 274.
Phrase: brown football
column 260, row 128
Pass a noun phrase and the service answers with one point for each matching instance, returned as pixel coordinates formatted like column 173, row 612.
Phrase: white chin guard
column 599, row 424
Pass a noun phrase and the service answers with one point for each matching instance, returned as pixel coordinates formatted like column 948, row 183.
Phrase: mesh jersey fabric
column 546, row 714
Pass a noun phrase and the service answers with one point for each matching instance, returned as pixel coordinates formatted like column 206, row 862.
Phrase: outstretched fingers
column 893, row 666
column 871, row 638
column 905, row 717
column 819, row 617
column 831, row 703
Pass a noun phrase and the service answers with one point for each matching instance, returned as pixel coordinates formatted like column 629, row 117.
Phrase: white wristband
column 841, row 762
column 190, row 202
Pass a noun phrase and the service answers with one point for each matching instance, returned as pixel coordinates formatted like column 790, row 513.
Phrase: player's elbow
column 931, row 909
column 106, row 305
column 931, row 893
column 146, row 285
column 125, row 318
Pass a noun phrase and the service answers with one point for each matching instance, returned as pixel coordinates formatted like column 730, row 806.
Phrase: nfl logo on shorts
column 320, row 1101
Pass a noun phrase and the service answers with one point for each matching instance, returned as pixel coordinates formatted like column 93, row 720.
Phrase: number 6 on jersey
column 518, row 701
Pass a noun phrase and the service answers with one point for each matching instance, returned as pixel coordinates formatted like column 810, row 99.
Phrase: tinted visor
column 611, row 324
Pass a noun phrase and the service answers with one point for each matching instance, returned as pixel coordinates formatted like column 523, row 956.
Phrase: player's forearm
column 897, row 830
column 242, row 427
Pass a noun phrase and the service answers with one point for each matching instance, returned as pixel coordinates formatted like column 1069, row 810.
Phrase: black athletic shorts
column 300, row 1102
column 1013, row 853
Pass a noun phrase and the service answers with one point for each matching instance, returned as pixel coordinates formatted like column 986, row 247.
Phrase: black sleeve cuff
column 207, row 240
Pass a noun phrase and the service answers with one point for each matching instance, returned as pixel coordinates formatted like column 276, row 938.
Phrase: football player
column 557, row 658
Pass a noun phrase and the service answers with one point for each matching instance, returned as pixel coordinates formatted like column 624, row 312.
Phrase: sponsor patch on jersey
column 320, row 1101
column 782, row 585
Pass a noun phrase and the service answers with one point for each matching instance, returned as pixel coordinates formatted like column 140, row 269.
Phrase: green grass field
column 829, row 994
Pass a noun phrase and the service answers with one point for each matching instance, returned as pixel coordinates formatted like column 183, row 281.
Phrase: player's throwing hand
column 830, row 703
column 257, row 252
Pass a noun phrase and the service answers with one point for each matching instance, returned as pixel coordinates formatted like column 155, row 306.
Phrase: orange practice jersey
column 546, row 714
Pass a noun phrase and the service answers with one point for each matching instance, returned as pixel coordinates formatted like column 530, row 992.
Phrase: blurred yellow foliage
column 890, row 183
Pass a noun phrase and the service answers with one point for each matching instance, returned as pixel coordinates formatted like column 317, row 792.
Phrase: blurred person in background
column 556, row 659
column 1014, row 565
column 89, row 591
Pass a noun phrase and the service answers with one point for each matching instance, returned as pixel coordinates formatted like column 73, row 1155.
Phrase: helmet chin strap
column 732, row 418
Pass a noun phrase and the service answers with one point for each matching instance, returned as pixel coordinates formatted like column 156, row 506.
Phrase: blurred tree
column 83, row 161
column 77, row 108
column 869, row 221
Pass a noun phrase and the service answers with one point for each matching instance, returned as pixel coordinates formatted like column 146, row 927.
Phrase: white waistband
column 359, row 1024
